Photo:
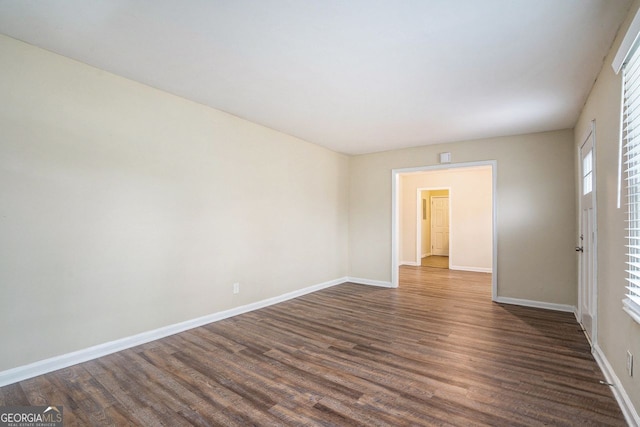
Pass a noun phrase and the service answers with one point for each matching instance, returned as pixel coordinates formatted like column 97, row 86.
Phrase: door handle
column 579, row 249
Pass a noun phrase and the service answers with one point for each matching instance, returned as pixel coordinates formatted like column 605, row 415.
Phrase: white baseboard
column 41, row 367
column 411, row 263
column 536, row 304
column 629, row 411
column 370, row 282
column 476, row 269
column 426, row 255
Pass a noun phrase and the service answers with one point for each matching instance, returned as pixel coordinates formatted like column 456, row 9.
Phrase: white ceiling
column 355, row 76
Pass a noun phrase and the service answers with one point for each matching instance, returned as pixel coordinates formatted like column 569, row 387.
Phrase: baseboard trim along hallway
column 370, row 282
column 436, row 350
column 41, row 367
column 21, row 373
column 536, row 304
column 629, row 412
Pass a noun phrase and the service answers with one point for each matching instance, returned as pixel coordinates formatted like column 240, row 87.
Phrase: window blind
column 631, row 143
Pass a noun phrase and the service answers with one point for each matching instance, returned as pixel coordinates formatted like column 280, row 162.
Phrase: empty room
column 375, row 213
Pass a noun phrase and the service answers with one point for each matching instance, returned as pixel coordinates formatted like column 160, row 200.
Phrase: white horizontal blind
column 631, row 141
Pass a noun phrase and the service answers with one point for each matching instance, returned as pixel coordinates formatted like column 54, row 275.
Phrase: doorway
column 440, row 225
column 432, row 227
column 587, row 239
column 400, row 219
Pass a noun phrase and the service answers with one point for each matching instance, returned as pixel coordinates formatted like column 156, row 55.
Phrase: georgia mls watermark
column 31, row 416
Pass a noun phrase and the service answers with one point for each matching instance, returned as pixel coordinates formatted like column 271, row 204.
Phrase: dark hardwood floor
column 435, row 351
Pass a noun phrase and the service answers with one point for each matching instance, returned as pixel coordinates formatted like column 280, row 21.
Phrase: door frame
column 395, row 215
column 419, row 220
column 589, row 134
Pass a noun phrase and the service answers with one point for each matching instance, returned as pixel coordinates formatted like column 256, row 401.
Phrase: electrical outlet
column 629, row 363
column 236, row 288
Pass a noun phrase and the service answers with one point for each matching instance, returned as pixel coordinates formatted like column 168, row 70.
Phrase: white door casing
column 395, row 215
column 587, row 238
column 440, row 225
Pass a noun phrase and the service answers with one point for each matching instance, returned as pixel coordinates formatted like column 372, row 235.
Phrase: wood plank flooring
column 435, row 261
column 435, row 351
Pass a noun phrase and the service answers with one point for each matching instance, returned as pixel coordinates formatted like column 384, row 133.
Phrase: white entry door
column 586, row 241
column 440, row 226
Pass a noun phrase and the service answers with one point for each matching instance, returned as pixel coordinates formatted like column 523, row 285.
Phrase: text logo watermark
column 31, row 416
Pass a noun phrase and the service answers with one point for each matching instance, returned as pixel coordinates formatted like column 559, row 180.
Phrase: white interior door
column 586, row 241
column 440, row 225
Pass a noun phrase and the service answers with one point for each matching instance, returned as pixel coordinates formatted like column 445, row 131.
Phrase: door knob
column 579, row 249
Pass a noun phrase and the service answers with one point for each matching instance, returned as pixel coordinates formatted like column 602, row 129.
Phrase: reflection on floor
column 435, row 261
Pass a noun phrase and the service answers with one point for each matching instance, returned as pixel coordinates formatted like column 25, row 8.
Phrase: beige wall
column 471, row 230
column 617, row 332
column 125, row 209
column 535, row 209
